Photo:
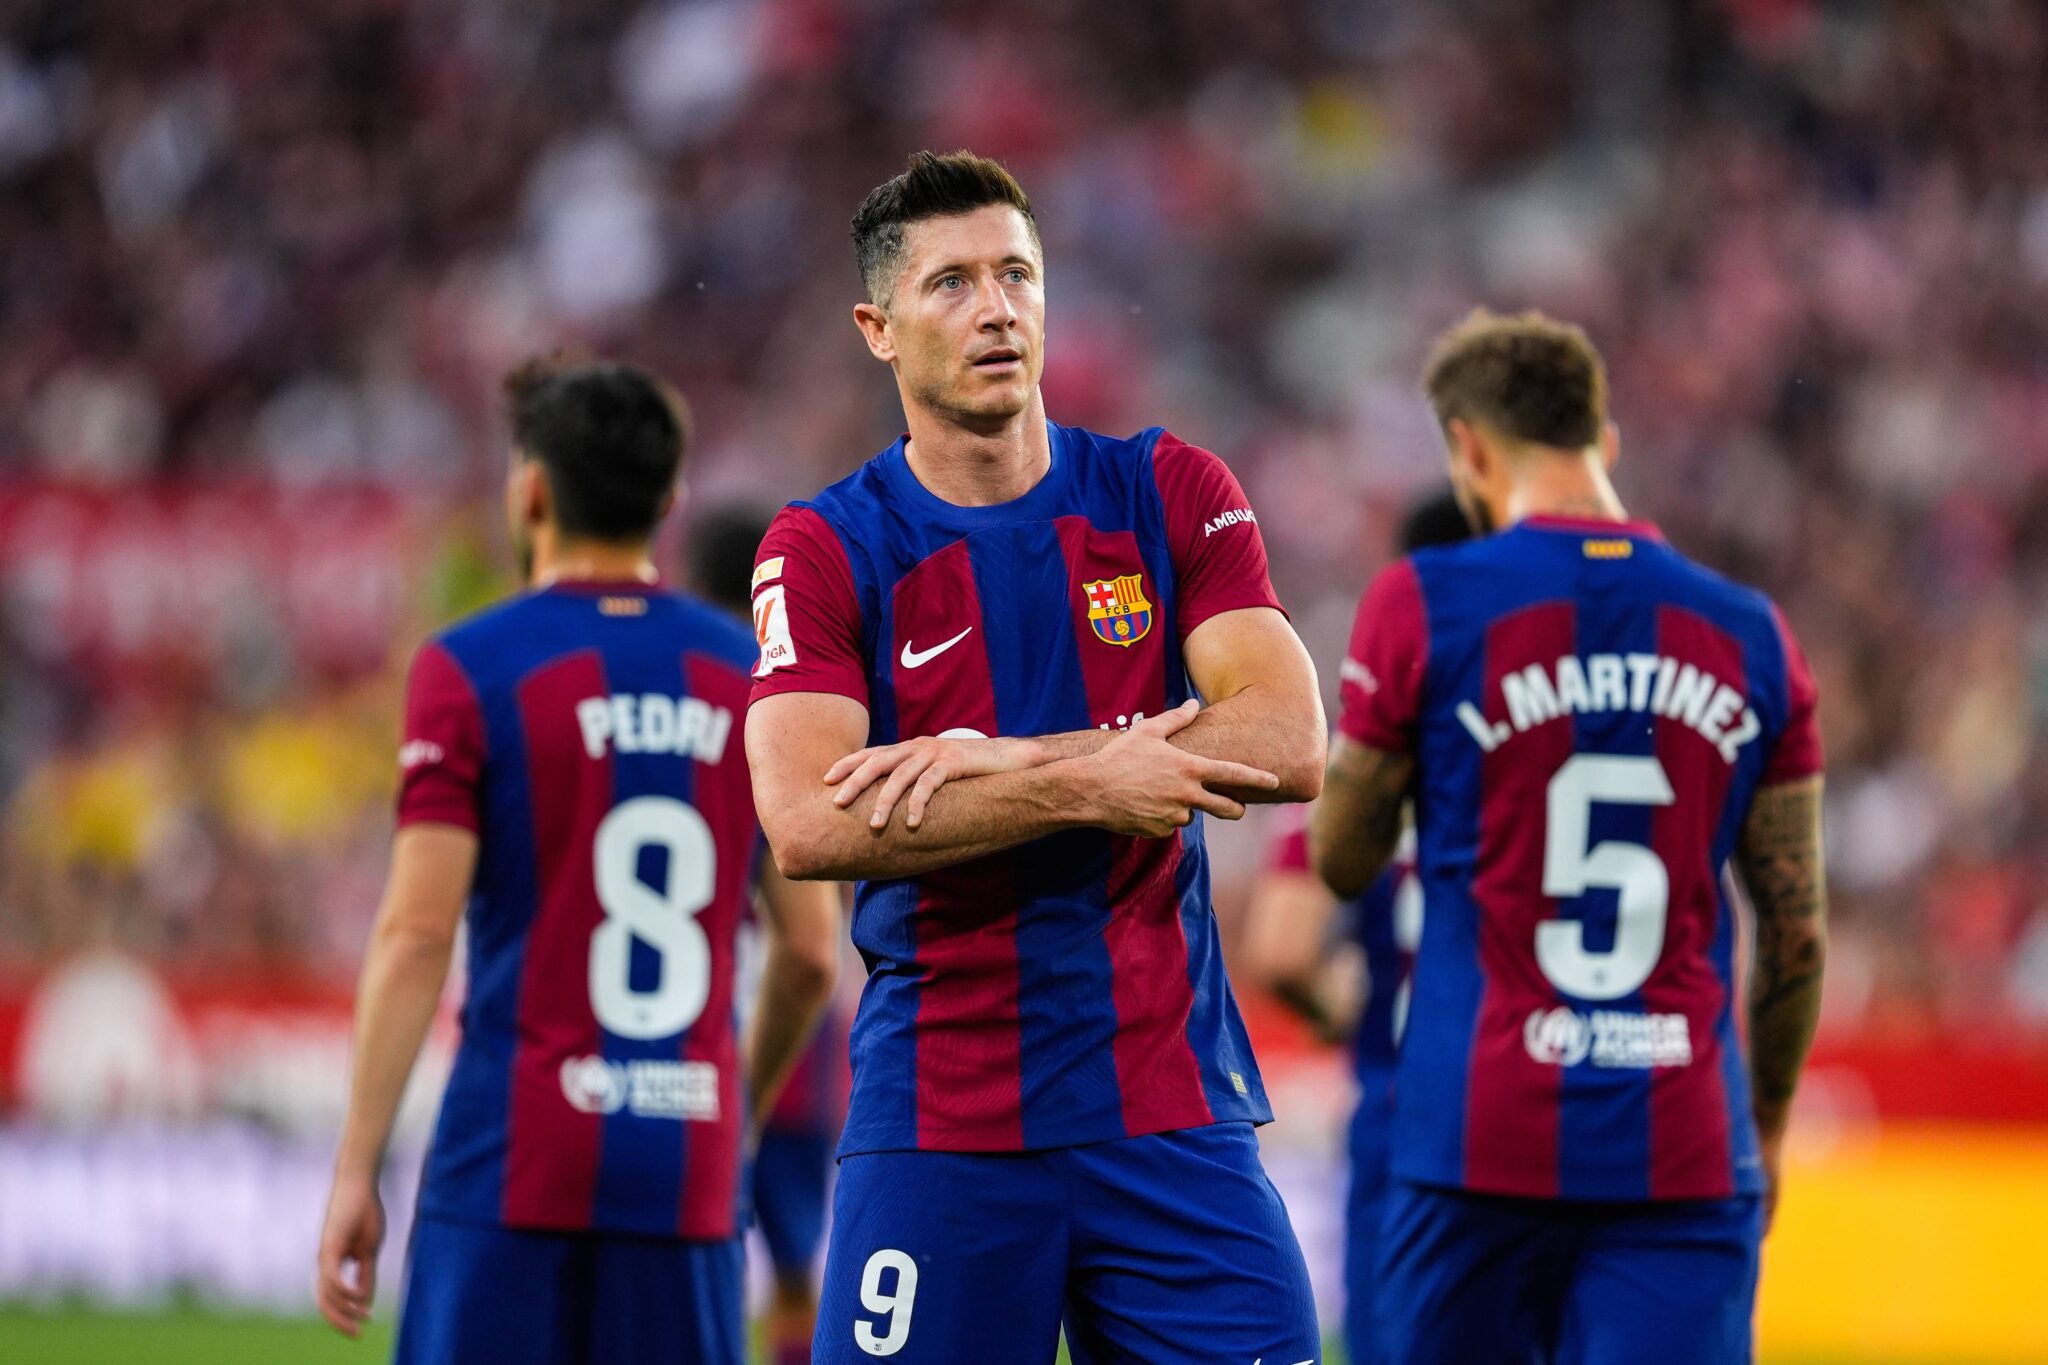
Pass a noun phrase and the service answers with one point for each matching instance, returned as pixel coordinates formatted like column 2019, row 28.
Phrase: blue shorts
column 1364, row 1215
column 790, row 1174
column 514, row 1297
column 1470, row 1277
column 1167, row 1248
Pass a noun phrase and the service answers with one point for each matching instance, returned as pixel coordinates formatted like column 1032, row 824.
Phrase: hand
column 920, row 767
column 351, row 1236
column 1141, row 785
column 1772, row 1147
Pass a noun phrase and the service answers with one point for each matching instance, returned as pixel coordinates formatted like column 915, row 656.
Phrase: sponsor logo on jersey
column 650, row 723
column 1234, row 517
column 768, row 570
column 1117, row 609
column 1614, row 1039
column 771, row 628
column 648, row 1088
column 415, row 753
column 1653, row 683
column 918, row 658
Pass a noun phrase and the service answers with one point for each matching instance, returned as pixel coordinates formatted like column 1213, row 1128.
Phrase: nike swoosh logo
column 913, row 659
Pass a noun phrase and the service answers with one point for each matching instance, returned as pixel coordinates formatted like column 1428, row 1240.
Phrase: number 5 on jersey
column 1636, row 873
column 665, row 921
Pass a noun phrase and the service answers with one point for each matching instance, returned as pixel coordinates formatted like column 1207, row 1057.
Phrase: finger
column 933, row 778
column 872, row 769
column 366, row 1278
column 899, row 782
column 838, row 771
column 1217, row 772
column 1218, row 805
column 1170, row 722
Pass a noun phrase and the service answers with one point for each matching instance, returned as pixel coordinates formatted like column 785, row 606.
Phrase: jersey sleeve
column 1219, row 558
column 1287, row 851
column 1380, row 689
column 1797, row 752
column 441, row 760
column 806, row 613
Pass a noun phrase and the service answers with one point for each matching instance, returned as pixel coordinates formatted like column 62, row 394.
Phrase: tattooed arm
column 1354, row 825
column 1780, row 859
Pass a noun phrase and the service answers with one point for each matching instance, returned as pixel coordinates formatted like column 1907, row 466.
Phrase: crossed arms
column 827, row 805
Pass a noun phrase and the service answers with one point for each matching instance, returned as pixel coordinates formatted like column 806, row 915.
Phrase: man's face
column 965, row 328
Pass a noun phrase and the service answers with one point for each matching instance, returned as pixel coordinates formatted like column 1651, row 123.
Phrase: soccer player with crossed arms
column 1591, row 727
column 573, row 785
column 980, row 655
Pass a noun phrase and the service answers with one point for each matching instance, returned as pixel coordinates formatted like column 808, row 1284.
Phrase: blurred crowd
column 292, row 246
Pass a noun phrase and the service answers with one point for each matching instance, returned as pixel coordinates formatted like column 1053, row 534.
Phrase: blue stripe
column 1604, row 1118
column 1065, row 1006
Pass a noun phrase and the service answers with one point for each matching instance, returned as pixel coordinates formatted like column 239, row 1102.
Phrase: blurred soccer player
column 1053, row 1096
column 1591, row 725
column 793, row 1162
column 1290, row 943
column 571, row 775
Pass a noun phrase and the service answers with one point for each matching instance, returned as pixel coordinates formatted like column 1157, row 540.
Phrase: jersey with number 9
column 586, row 734
column 1590, row 714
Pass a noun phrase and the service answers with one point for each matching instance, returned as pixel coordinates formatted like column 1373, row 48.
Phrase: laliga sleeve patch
column 771, row 629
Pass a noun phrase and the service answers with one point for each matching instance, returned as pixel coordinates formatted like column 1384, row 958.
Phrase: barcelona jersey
column 1590, row 714
column 1069, row 990
column 588, row 734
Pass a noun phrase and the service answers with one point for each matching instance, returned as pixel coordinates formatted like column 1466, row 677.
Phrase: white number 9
column 894, row 1307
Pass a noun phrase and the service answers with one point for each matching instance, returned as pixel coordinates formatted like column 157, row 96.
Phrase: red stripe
column 1511, row 1101
column 969, row 1067
column 724, row 796
column 1689, row 1146
column 552, row 1149
column 1157, row 1075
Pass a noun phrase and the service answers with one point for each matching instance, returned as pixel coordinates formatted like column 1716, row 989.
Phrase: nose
column 994, row 311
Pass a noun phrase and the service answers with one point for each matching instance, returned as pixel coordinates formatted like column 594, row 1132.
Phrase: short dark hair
column 722, row 548
column 931, row 186
column 609, row 436
column 1434, row 520
column 1528, row 377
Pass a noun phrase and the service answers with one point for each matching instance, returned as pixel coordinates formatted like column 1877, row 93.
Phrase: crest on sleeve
column 1117, row 609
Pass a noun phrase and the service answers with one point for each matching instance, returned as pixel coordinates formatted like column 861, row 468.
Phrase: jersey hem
column 1257, row 1118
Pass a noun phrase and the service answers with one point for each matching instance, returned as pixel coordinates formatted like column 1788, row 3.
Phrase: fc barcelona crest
column 1117, row 609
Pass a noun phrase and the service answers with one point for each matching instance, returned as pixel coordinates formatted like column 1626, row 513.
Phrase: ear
column 669, row 500
column 1610, row 445
column 874, row 330
column 1469, row 448
column 530, row 492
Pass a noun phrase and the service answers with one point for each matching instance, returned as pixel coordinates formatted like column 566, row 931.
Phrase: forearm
column 1259, row 726
column 403, row 975
column 793, row 995
column 1781, row 863
column 967, row 818
column 1355, row 826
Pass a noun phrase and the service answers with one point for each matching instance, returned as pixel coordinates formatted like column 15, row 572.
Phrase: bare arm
column 1137, row 783
column 1780, row 858
column 403, row 974
column 1354, row 827
column 1287, row 928
column 1263, row 710
column 803, row 924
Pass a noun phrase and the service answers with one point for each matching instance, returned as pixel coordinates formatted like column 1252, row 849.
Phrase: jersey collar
column 1579, row 526
column 1032, row 506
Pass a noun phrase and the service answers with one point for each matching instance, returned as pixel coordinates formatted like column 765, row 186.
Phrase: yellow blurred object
column 291, row 779
column 1915, row 1243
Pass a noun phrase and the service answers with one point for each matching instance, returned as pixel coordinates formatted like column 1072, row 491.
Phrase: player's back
column 588, row 732
column 1590, row 715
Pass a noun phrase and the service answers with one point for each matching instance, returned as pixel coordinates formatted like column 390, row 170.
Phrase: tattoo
column 1355, row 824
column 1781, row 862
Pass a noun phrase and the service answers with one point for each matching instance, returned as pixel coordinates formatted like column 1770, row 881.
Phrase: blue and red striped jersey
column 1070, row 990
column 588, row 734
column 1590, row 715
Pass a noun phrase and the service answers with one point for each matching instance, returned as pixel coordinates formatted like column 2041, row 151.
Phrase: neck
column 566, row 560
column 975, row 466
column 1562, row 484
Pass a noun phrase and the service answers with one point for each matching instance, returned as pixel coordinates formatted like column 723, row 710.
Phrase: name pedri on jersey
column 588, row 734
column 1069, row 990
column 1591, row 714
